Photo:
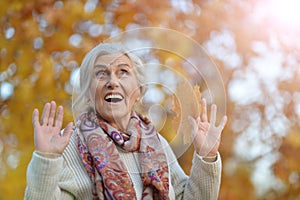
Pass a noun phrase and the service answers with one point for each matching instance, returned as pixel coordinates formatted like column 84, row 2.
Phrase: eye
column 101, row 74
column 123, row 72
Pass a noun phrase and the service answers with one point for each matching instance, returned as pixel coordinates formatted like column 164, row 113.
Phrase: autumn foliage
column 42, row 43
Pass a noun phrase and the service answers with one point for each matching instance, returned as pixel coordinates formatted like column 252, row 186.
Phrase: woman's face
column 114, row 88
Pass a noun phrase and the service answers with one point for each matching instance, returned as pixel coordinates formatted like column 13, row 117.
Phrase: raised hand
column 47, row 132
column 206, row 135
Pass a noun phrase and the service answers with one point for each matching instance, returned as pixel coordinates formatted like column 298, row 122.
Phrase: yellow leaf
column 189, row 106
column 197, row 92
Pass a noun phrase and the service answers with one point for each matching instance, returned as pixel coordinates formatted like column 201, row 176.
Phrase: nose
column 112, row 82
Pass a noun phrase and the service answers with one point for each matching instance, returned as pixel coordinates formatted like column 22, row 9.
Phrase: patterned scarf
column 97, row 144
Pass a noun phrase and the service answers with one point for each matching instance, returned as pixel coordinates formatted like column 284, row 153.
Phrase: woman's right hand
column 47, row 132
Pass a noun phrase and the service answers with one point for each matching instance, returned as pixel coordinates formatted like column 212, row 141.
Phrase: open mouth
column 114, row 98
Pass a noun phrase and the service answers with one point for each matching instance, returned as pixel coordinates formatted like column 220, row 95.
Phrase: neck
column 121, row 124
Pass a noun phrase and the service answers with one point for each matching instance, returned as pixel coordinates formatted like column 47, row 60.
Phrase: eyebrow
column 100, row 66
column 105, row 66
column 123, row 64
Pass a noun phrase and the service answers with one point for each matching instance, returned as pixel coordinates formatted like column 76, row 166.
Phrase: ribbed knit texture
column 64, row 177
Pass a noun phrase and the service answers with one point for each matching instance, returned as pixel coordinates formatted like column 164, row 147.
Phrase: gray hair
column 80, row 98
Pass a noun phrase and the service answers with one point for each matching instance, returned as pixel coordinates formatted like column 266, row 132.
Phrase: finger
column 203, row 114
column 35, row 118
column 52, row 113
column 203, row 127
column 222, row 123
column 59, row 117
column 198, row 120
column 213, row 114
column 45, row 115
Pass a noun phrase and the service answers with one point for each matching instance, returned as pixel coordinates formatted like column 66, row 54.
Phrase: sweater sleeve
column 203, row 182
column 43, row 175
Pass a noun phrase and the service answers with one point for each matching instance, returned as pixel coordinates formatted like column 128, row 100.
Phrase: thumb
column 223, row 123
column 193, row 124
column 68, row 131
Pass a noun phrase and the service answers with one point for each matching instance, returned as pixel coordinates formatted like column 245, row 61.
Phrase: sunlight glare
column 286, row 12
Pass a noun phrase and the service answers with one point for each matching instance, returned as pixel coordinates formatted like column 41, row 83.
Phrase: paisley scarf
column 97, row 144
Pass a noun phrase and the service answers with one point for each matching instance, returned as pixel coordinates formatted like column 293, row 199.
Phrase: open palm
column 47, row 132
column 206, row 135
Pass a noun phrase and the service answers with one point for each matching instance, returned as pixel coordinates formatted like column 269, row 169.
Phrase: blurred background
column 255, row 45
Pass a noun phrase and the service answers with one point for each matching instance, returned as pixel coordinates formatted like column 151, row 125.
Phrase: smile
column 114, row 98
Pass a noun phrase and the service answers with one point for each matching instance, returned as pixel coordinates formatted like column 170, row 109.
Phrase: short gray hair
column 85, row 76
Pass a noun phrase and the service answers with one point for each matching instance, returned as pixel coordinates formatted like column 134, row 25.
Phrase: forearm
column 204, row 181
column 43, row 175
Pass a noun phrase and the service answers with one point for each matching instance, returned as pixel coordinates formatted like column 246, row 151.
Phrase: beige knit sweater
column 64, row 177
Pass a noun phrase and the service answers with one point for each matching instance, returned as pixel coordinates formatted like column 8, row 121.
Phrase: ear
column 142, row 90
column 139, row 94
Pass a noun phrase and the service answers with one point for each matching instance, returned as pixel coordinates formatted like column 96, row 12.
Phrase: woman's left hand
column 206, row 135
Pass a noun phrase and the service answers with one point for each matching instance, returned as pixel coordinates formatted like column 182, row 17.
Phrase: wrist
column 47, row 154
column 210, row 158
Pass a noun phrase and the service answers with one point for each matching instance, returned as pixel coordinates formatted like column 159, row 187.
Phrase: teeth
column 113, row 96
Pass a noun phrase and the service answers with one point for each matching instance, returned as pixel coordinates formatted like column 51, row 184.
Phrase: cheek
column 95, row 91
column 135, row 94
column 98, row 92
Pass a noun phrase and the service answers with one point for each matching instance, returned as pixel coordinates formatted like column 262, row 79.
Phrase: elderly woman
column 113, row 152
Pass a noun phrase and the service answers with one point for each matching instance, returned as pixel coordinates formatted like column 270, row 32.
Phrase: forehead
column 113, row 58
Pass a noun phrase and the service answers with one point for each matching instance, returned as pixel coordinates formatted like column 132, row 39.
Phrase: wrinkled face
column 114, row 88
